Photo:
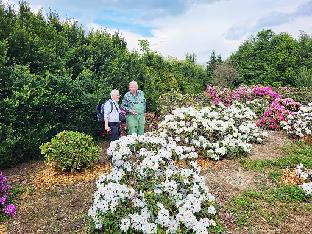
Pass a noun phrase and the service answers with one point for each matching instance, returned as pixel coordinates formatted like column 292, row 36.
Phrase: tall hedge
column 53, row 73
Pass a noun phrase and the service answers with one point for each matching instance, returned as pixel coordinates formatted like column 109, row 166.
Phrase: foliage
column 273, row 59
column 7, row 208
column 226, row 75
column 168, row 75
column 304, row 78
column 171, row 100
column 302, row 94
column 146, row 192
column 213, row 62
column 70, row 151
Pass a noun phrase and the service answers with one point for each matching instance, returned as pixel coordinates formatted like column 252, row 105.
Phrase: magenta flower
column 5, row 195
column 10, row 210
column 3, row 200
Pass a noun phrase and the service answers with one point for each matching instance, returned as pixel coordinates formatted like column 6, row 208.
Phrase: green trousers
column 135, row 124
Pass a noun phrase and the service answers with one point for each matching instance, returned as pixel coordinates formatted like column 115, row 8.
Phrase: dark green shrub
column 71, row 151
column 302, row 95
column 304, row 78
column 40, row 106
column 172, row 100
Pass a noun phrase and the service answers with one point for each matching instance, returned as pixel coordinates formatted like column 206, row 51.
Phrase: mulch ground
column 50, row 201
column 272, row 147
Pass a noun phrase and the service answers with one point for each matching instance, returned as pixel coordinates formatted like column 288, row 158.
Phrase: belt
column 113, row 123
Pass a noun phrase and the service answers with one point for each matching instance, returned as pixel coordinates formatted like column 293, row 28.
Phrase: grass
column 271, row 206
column 295, row 153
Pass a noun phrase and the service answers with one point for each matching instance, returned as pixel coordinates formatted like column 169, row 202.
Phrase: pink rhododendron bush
column 279, row 111
column 146, row 192
column 270, row 107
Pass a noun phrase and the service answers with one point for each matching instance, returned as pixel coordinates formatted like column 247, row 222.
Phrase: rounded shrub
column 71, row 151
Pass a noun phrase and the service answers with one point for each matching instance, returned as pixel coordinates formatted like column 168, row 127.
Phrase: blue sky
column 177, row 27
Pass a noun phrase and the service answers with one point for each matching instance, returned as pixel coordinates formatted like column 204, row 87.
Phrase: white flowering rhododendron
column 146, row 192
column 215, row 131
column 300, row 123
column 306, row 176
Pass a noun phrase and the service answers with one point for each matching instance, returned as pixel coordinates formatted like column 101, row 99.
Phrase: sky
column 177, row 27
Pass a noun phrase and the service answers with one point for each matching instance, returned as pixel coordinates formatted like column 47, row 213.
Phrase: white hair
column 134, row 83
column 114, row 92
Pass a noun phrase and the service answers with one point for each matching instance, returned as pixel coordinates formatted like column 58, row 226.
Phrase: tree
column 267, row 58
column 213, row 62
column 226, row 75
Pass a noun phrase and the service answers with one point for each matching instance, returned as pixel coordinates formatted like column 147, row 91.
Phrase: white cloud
column 131, row 38
column 203, row 27
column 294, row 27
column 198, row 28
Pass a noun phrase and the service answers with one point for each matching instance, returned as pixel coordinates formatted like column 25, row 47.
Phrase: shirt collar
column 137, row 93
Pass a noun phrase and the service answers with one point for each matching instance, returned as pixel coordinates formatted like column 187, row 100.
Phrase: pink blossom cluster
column 6, row 206
column 265, row 91
column 243, row 94
column 277, row 111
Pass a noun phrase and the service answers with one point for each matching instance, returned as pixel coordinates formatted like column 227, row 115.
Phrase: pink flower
column 10, row 210
column 3, row 200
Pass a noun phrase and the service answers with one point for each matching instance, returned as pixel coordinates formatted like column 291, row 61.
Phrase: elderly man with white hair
column 134, row 104
column 111, row 112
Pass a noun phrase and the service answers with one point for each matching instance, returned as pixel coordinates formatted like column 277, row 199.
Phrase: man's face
column 116, row 97
column 133, row 88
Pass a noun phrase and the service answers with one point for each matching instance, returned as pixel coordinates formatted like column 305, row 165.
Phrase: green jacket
column 134, row 102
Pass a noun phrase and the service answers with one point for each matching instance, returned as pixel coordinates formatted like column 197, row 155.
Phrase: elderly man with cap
column 134, row 104
column 111, row 112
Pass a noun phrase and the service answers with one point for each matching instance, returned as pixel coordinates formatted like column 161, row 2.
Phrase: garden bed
column 63, row 208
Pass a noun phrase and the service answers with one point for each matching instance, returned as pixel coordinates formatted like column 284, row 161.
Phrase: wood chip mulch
column 290, row 177
column 49, row 176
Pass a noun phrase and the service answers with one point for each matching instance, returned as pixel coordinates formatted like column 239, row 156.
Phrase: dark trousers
column 115, row 131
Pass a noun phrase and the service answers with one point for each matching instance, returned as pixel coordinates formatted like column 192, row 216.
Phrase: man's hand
column 133, row 112
column 107, row 128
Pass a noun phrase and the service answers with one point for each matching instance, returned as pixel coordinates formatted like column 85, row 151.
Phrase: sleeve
column 106, row 109
column 125, row 103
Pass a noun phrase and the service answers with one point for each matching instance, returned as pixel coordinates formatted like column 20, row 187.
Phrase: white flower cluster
column 300, row 123
column 307, row 177
column 215, row 131
column 258, row 105
column 147, row 192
